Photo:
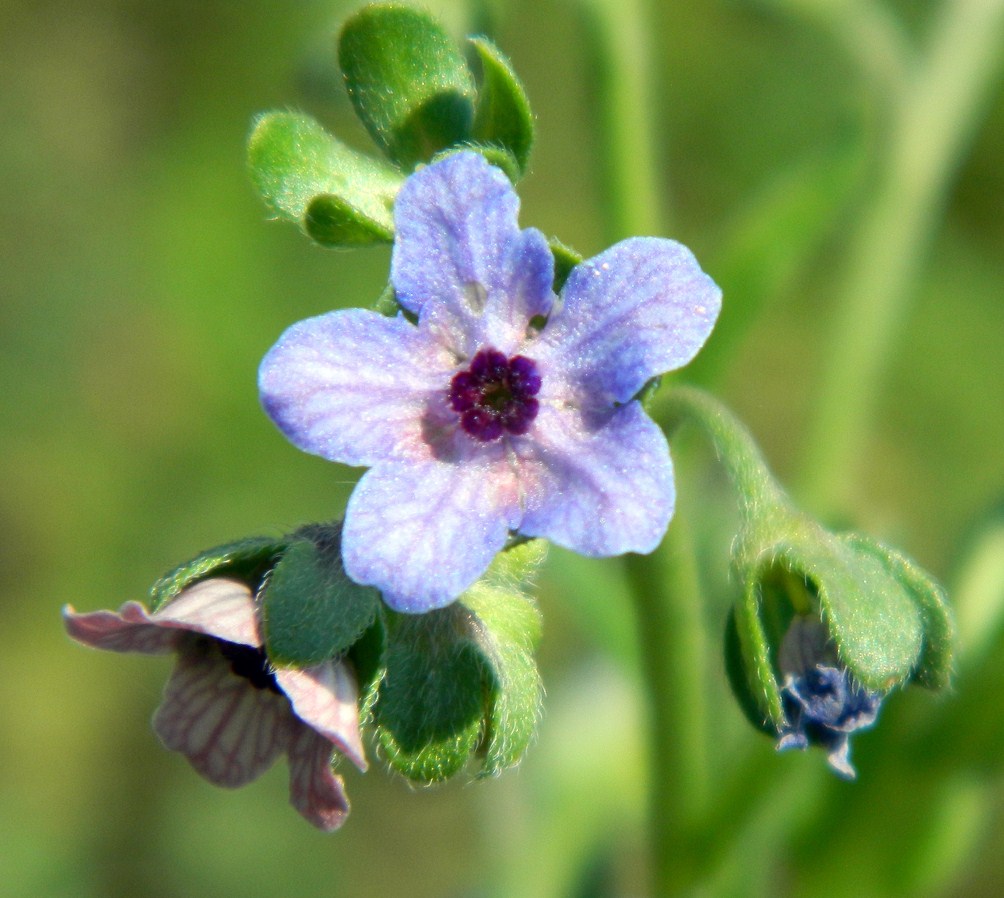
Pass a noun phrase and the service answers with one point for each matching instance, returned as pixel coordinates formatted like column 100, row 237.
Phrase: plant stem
column 621, row 64
column 931, row 125
column 666, row 591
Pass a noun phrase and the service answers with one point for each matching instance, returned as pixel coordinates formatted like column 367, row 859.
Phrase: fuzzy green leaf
column 247, row 559
column 311, row 610
column 408, row 82
column 294, row 162
column 502, row 116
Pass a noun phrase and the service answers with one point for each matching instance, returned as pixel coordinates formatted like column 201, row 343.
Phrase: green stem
column 930, row 128
column 621, row 63
column 755, row 487
column 666, row 590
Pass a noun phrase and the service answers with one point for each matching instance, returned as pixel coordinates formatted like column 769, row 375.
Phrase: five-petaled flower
column 225, row 708
column 490, row 405
column 822, row 703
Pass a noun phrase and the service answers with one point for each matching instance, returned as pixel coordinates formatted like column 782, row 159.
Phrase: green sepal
column 462, row 680
column 331, row 221
column 506, row 631
column 502, row 116
column 646, row 395
column 430, row 714
column 565, row 259
column 295, row 162
column 246, row 559
column 408, row 82
column 386, row 303
column 934, row 669
column 494, row 155
column 368, row 657
column 311, row 610
column 872, row 619
column 757, row 656
column 737, row 671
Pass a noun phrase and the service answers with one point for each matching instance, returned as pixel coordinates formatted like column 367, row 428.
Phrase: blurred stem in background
column 620, row 56
column 932, row 115
column 665, row 586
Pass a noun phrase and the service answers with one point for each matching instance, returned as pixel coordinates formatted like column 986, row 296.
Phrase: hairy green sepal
column 311, row 610
column 502, row 116
column 462, row 680
column 246, row 559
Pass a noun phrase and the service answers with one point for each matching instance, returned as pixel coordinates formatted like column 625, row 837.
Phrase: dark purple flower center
column 496, row 395
column 249, row 663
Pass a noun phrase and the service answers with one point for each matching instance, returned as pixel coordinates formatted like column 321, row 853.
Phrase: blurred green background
column 140, row 285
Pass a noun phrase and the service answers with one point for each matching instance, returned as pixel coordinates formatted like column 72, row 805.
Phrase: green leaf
column 246, row 559
column 505, row 627
column 502, row 115
column 294, row 163
column 408, row 82
column 311, row 610
column 430, row 713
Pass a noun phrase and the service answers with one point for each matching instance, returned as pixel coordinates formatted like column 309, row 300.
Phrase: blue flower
column 823, row 705
column 491, row 406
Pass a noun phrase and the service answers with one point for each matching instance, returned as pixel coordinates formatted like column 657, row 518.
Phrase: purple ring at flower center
column 496, row 395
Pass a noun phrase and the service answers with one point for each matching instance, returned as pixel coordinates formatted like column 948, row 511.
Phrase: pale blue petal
column 460, row 261
column 599, row 484
column 422, row 533
column 354, row 386
column 637, row 310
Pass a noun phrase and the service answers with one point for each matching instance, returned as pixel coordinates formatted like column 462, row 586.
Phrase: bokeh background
column 140, row 284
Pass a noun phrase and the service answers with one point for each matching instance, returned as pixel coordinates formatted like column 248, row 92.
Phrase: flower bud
column 827, row 626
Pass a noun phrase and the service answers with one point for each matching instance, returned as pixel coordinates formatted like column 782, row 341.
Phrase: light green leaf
column 502, row 116
column 294, row 162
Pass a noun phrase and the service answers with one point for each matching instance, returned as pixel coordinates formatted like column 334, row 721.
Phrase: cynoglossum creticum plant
column 489, row 409
column 827, row 623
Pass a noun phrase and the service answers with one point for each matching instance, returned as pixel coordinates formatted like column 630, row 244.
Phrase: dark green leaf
column 311, row 610
column 502, row 115
column 294, row 161
column 246, row 559
column 408, row 82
